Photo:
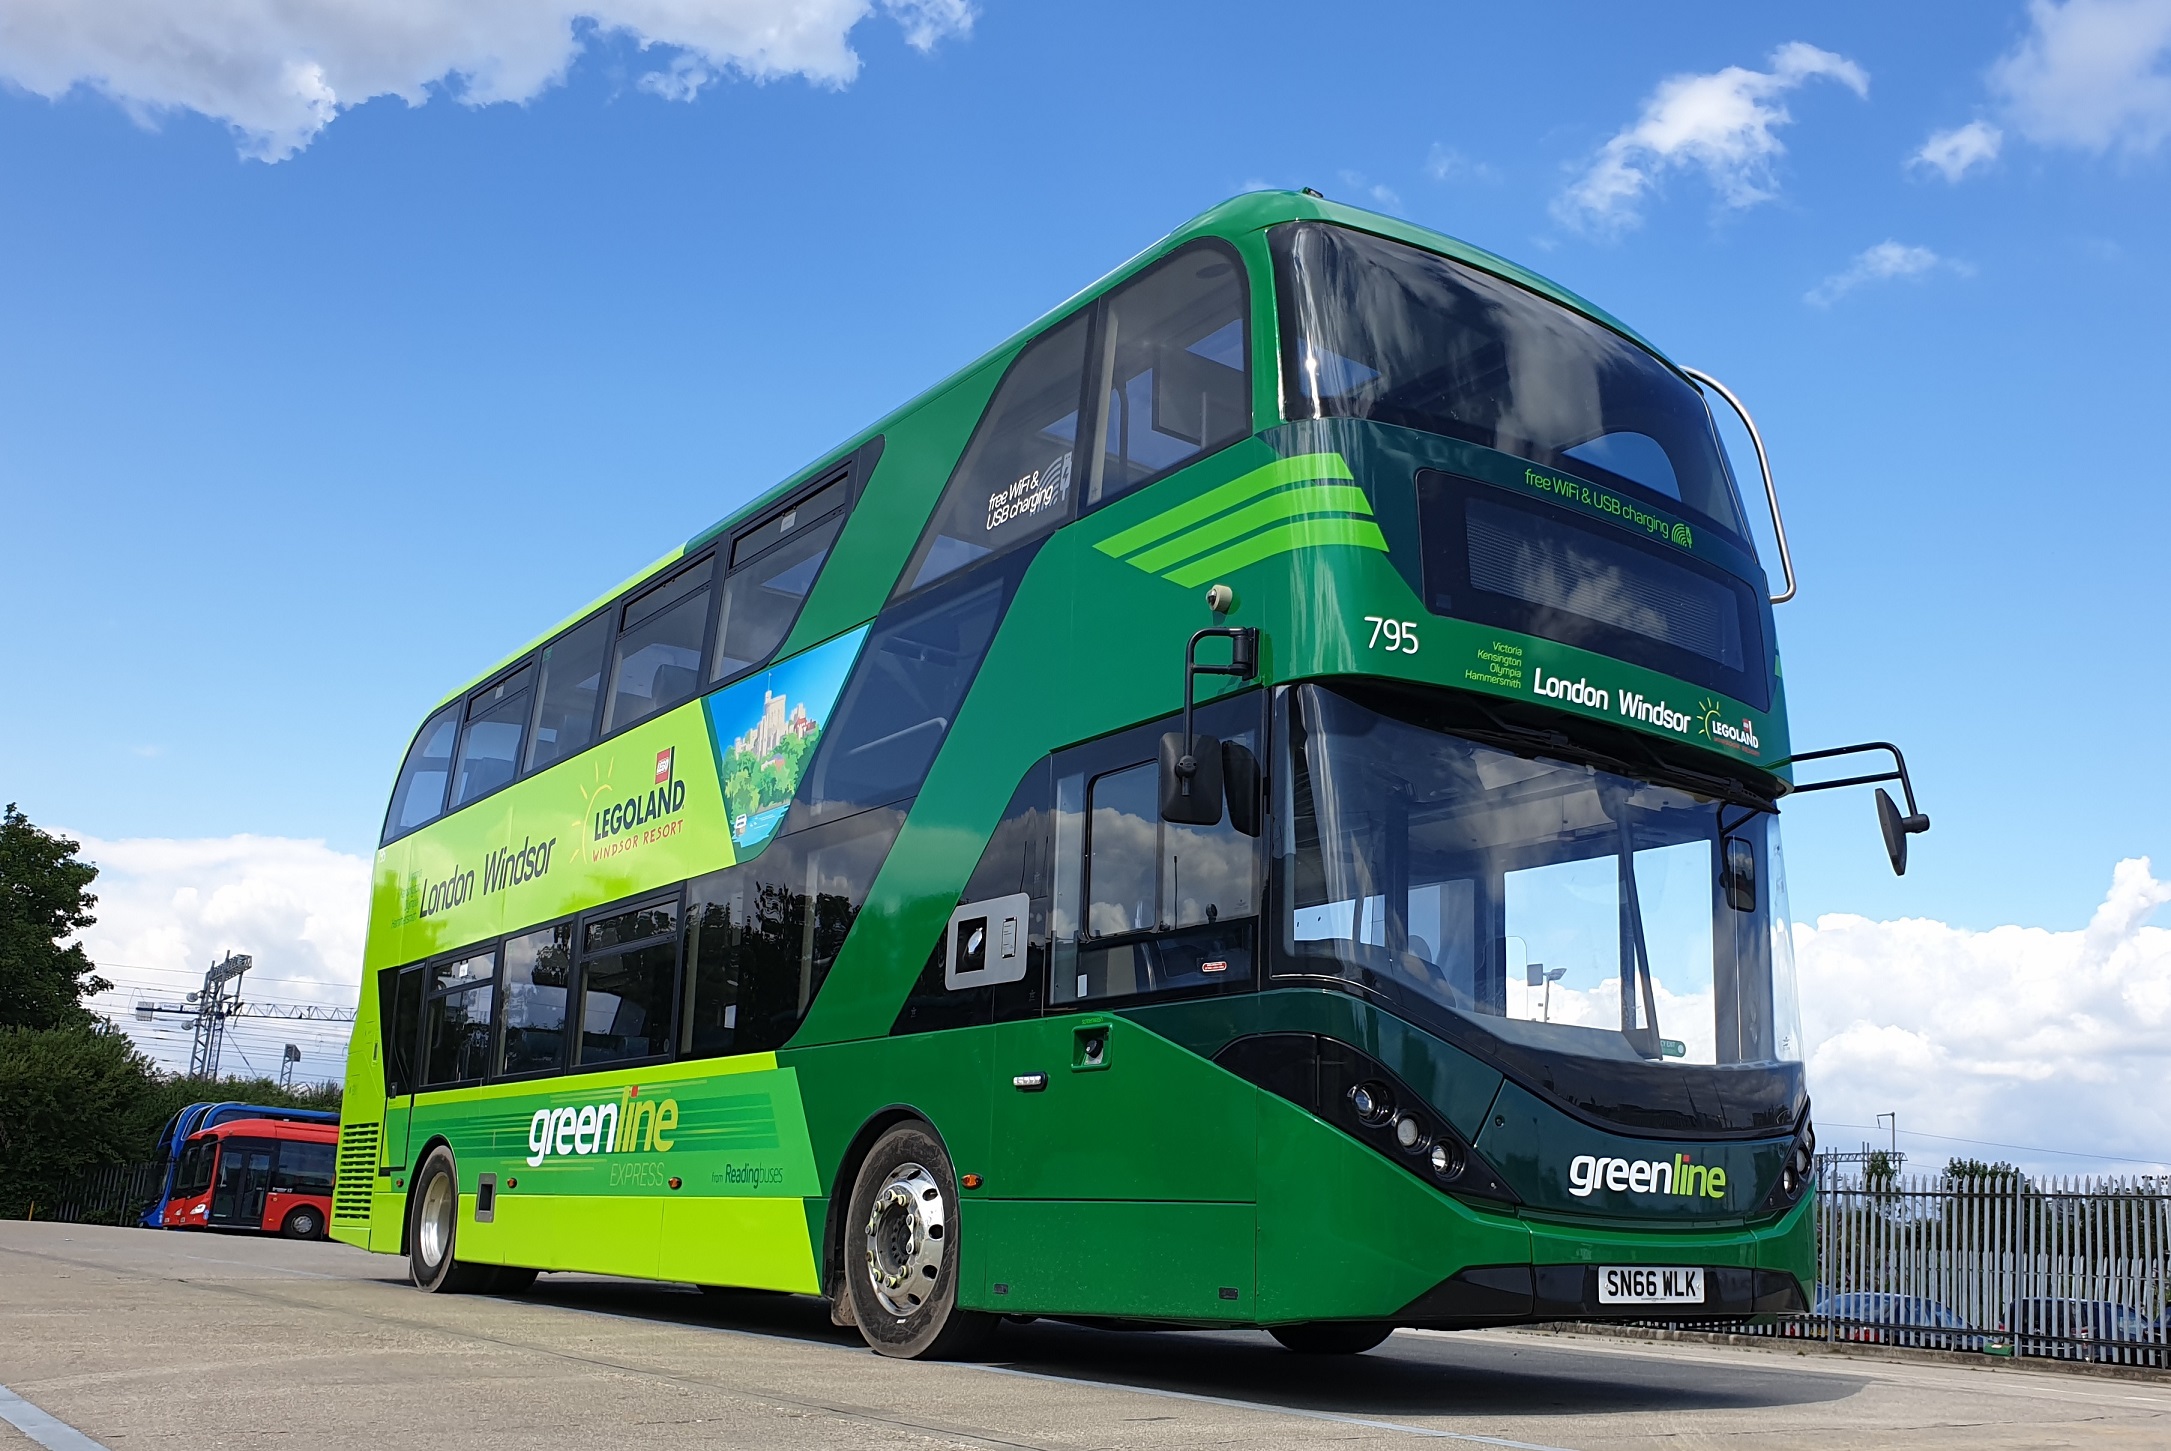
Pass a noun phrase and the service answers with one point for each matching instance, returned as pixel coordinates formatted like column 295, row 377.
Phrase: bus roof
column 272, row 1128
column 1253, row 211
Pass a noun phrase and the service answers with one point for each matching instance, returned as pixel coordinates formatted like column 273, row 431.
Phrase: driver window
column 1164, row 907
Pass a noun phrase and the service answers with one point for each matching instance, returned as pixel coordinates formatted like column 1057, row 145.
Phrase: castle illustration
column 775, row 725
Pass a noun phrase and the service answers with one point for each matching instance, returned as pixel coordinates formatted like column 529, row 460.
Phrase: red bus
column 256, row 1174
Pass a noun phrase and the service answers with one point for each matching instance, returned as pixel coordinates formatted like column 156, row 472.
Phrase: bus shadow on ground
column 1407, row 1376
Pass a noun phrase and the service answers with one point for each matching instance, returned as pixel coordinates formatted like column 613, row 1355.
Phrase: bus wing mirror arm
column 1191, row 775
column 1897, row 827
column 1763, row 464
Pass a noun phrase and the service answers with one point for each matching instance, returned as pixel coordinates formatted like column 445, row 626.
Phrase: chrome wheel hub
column 433, row 1227
column 906, row 1227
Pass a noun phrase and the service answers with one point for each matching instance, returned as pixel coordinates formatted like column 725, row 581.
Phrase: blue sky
column 290, row 448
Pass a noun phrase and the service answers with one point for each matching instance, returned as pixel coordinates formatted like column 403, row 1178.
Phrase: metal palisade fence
column 1996, row 1263
column 114, row 1194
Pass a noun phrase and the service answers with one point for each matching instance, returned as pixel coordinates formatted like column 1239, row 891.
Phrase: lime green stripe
column 1273, row 509
column 1303, row 468
column 1303, row 534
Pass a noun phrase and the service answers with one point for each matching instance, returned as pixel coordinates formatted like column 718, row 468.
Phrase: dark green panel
column 1537, row 1147
column 943, row 1077
column 1155, row 1122
column 1151, row 1260
column 919, row 449
column 1345, row 1233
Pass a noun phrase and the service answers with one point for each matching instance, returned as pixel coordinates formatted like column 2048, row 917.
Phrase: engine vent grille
column 357, row 1179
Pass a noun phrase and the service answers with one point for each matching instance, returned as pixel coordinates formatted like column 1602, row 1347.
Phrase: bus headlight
column 1410, row 1133
column 1374, row 1105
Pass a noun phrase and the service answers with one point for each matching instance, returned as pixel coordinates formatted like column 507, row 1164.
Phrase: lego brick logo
column 663, row 766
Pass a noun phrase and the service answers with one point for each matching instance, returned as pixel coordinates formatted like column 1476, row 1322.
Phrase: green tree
column 71, row 1099
column 44, row 900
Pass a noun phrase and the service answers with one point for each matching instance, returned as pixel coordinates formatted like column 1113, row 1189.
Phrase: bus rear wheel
column 1331, row 1337
column 303, row 1223
column 433, row 1230
column 901, row 1251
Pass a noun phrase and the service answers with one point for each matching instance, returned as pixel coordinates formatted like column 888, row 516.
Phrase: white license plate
column 1647, row 1285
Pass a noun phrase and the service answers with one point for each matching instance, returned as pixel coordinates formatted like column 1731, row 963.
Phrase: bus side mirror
column 1191, row 779
column 1897, row 828
column 1240, row 780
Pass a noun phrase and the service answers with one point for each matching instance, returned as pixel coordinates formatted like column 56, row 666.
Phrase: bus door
column 401, row 1005
column 1125, row 1166
column 243, row 1179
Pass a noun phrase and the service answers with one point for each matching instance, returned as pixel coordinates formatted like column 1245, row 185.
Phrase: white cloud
column 1724, row 123
column 1955, row 153
column 1378, row 194
column 2090, row 74
column 1885, row 262
column 167, row 909
column 279, row 73
column 1445, row 163
column 2015, row 1035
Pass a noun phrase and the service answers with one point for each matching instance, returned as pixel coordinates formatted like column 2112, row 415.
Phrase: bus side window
column 497, row 716
column 570, row 692
column 418, row 797
column 399, row 1010
column 763, row 593
column 538, row 973
column 1014, row 481
column 303, row 1168
column 896, row 708
column 456, row 1020
column 662, row 632
column 628, row 976
column 1179, row 385
column 762, row 936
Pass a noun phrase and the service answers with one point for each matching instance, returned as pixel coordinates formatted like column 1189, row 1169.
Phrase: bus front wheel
column 303, row 1223
column 901, row 1251
column 434, row 1230
column 1331, row 1337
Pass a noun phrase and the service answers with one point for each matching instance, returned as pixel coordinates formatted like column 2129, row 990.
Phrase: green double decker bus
column 1252, row 805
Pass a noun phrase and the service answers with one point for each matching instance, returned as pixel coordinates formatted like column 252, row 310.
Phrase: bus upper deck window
column 1014, row 482
column 419, row 796
column 658, row 663
column 572, row 681
column 490, row 744
column 773, row 568
column 1179, row 386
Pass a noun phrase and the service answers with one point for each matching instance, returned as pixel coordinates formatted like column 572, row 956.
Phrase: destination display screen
column 1518, row 563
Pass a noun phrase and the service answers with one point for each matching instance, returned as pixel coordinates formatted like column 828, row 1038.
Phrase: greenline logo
column 1676, row 1176
column 1296, row 503
column 628, row 1126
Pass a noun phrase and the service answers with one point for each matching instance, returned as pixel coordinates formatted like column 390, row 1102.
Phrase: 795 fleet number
column 1395, row 636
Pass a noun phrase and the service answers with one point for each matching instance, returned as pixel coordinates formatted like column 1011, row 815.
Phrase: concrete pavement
column 139, row 1339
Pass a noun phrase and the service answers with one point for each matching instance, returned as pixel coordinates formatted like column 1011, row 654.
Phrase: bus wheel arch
column 433, row 1218
column 414, row 1181
column 840, row 1199
column 304, row 1221
column 902, row 1260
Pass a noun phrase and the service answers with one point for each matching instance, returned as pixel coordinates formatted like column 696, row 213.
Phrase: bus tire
column 901, row 1251
column 1332, row 1337
column 433, row 1231
column 303, row 1223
